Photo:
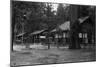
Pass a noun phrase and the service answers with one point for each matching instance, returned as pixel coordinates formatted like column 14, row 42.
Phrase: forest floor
column 42, row 55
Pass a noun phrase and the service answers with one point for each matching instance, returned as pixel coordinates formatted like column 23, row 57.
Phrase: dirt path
column 53, row 55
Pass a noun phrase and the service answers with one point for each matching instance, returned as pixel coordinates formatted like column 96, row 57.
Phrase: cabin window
column 64, row 35
column 80, row 35
column 42, row 37
column 85, row 35
column 56, row 36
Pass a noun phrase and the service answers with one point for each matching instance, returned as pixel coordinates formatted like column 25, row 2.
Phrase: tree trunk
column 48, row 43
column 48, row 46
column 74, row 39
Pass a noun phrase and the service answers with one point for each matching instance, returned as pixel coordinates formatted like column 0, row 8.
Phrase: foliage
column 36, row 15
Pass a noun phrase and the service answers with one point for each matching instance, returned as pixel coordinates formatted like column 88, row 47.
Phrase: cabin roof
column 37, row 32
column 82, row 20
column 21, row 34
column 63, row 27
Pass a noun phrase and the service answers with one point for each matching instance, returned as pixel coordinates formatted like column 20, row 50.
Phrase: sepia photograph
column 45, row 33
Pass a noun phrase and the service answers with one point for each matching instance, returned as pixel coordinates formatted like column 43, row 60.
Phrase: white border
column 5, row 34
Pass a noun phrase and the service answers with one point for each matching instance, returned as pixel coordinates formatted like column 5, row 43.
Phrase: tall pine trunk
column 74, row 40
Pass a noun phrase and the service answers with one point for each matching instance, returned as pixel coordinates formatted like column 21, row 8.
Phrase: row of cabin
column 61, row 34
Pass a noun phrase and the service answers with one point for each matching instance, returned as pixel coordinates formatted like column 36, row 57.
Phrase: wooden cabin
column 61, row 33
column 35, row 36
column 87, row 31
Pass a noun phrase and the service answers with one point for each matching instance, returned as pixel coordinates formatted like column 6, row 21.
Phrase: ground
column 36, row 55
